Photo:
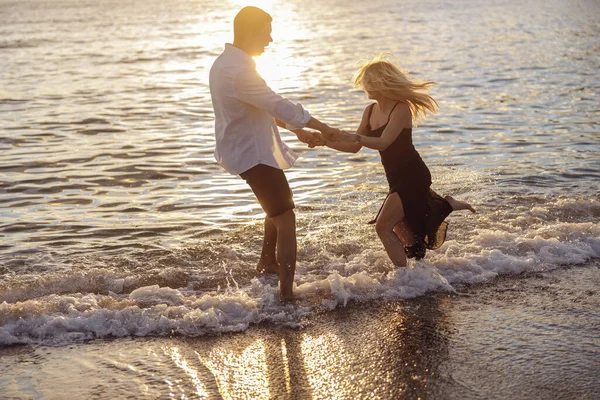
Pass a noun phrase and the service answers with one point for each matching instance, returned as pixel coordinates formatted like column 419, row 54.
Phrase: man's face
column 262, row 39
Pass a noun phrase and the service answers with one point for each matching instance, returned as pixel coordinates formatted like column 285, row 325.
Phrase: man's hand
column 311, row 138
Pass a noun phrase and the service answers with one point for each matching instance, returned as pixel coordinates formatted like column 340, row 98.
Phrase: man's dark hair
column 248, row 20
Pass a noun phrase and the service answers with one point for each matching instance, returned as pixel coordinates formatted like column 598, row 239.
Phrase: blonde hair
column 378, row 74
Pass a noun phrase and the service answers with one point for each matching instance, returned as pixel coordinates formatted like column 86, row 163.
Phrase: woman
column 411, row 218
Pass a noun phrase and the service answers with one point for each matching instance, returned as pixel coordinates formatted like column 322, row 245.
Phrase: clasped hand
column 314, row 138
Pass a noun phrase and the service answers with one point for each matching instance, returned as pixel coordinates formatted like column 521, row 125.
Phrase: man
column 247, row 113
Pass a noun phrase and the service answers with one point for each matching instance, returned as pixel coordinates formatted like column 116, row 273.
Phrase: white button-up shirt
column 245, row 110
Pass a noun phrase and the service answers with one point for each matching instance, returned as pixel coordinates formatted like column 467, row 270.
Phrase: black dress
column 408, row 176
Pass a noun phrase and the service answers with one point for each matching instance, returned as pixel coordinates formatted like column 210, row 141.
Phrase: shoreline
column 517, row 337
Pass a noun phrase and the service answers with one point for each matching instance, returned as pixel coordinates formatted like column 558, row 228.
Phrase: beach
column 128, row 255
column 534, row 337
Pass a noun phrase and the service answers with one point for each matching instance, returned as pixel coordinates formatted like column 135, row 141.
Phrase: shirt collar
column 239, row 54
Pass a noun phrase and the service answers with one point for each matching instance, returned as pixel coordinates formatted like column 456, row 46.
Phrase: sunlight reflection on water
column 108, row 139
column 117, row 222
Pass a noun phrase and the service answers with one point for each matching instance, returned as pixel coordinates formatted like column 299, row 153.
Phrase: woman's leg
column 391, row 213
column 459, row 205
column 405, row 234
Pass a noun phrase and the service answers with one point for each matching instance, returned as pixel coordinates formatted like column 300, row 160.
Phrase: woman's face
column 372, row 94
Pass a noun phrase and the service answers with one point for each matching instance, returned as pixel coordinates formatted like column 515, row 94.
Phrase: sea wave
column 327, row 282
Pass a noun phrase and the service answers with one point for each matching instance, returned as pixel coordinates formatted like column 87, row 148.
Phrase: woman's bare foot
column 459, row 205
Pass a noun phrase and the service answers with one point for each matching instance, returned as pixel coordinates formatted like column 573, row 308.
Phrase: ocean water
column 115, row 220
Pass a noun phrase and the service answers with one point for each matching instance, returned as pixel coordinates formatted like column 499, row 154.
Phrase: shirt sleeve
column 252, row 89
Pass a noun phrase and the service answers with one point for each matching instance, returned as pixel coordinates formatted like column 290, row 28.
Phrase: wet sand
column 533, row 336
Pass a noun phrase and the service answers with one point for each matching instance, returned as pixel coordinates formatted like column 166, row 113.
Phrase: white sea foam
column 146, row 311
column 52, row 315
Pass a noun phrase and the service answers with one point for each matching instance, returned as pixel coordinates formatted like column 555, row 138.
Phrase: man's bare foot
column 286, row 298
column 286, row 283
column 267, row 267
column 459, row 205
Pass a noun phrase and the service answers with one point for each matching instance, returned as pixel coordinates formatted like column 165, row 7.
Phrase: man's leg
column 286, row 252
column 271, row 188
column 268, row 261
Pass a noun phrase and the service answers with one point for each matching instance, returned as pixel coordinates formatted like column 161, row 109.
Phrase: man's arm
column 311, row 138
column 252, row 89
column 283, row 125
column 314, row 123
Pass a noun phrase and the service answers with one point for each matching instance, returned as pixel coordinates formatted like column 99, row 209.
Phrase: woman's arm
column 346, row 147
column 350, row 147
column 400, row 118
